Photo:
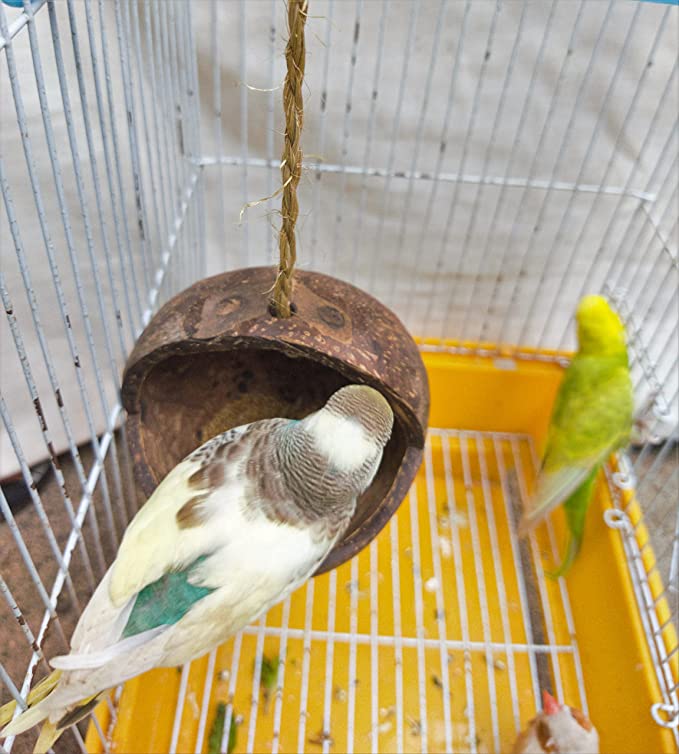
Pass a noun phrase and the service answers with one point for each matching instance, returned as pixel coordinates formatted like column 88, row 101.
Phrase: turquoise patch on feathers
column 165, row 601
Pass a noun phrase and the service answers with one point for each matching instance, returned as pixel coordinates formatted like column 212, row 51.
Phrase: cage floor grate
column 437, row 637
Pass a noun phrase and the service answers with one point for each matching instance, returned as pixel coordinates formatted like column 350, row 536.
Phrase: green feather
column 165, row 601
column 575, row 509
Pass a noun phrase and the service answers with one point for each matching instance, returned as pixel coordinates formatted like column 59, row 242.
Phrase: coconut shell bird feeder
column 224, row 353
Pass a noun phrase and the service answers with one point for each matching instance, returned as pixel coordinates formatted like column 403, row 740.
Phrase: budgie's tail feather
column 572, row 549
column 93, row 660
column 48, row 737
column 575, row 509
column 553, row 488
column 27, row 719
column 50, row 730
column 35, row 695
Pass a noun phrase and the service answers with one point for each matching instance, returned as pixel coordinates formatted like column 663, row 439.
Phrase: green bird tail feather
column 575, row 509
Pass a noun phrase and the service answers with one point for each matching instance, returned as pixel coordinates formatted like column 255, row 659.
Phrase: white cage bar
column 477, row 166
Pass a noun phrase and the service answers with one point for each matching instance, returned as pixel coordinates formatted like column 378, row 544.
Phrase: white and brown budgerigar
column 558, row 729
column 233, row 529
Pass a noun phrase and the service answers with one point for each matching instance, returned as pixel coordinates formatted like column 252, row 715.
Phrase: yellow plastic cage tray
column 439, row 636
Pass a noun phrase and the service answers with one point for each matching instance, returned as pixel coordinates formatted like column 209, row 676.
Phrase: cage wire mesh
column 477, row 167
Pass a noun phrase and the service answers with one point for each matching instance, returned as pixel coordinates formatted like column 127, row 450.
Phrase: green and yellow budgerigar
column 592, row 417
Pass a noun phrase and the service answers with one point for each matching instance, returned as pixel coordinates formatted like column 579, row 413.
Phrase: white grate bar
column 621, row 261
column 518, row 567
column 346, row 131
column 215, row 50
column 128, row 55
column 70, row 243
column 419, row 617
column 353, row 631
column 374, row 650
column 179, row 709
column 306, row 635
column 256, row 676
column 25, row 629
column 139, row 202
column 32, row 171
column 530, row 90
column 566, row 217
column 390, row 173
column 280, row 679
column 117, row 222
column 463, row 163
column 189, row 130
column 243, row 62
column 321, row 133
column 639, row 577
column 542, row 589
column 30, row 382
column 673, row 577
column 115, row 143
column 329, row 661
column 466, row 644
column 91, row 153
column 443, row 146
column 37, row 502
column 481, row 267
column 481, row 583
column 421, row 121
column 163, row 111
column 563, row 590
column 80, row 187
column 438, row 575
column 270, row 120
column 205, row 702
column 18, row 24
column 412, row 642
column 370, row 135
column 398, row 634
column 228, row 717
column 175, row 114
column 558, row 163
column 499, row 576
column 412, row 25
column 669, row 212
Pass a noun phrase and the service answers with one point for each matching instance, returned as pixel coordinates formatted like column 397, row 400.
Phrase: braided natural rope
column 291, row 167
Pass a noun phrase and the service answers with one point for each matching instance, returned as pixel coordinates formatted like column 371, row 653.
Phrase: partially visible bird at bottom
column 233, row 529
column 592, row 418
column 558, row 729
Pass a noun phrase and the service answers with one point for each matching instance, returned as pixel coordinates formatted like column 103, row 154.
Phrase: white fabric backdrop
column 429, row 249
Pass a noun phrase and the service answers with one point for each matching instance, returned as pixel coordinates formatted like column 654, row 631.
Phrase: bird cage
column 475, row 166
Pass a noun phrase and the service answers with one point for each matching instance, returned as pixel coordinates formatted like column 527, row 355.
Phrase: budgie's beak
column 549, row 704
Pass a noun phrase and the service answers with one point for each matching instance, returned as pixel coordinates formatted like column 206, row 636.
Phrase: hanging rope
column 291, row 165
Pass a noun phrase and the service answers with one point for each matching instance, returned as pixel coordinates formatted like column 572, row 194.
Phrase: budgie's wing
column 161, row 538
column 160, row 548
column 591, row 417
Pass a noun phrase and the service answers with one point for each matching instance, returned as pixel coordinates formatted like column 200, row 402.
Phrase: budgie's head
column 345, row 439
column 600, row 330
column 560, row 729
column 365, row 406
